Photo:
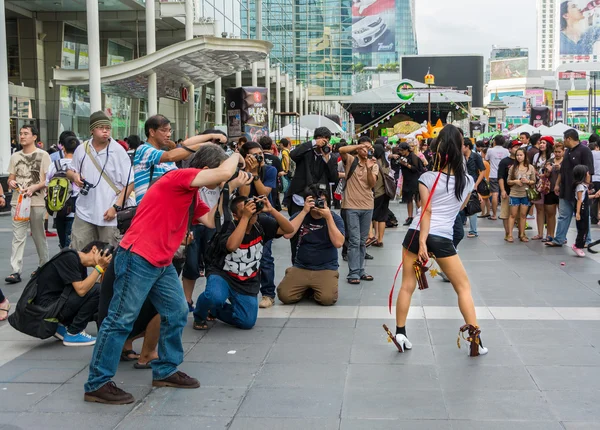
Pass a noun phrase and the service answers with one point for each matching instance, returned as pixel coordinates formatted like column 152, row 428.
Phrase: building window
column 75, row 49
column 12, row 48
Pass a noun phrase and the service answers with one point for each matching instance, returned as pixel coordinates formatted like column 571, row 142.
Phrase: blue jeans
column 267, row 271
column 359, row 223
column 64, row 226
column 241, row 311
column 566, row 209
column 136, row 279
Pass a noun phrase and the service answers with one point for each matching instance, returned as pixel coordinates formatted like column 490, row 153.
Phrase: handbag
column 23, row 208
column 473, row 205
column 483, row 188
column 390, row 185
column 543, row 185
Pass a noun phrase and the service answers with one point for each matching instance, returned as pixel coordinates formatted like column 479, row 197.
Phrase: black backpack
column 37, row 320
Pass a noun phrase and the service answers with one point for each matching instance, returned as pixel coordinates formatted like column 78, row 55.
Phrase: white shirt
column 444, row 205
column 116, row 163
column 596, row 174
column 494, row 155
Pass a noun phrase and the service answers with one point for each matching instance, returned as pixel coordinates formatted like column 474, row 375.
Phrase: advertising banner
column 247, row 112
column 579, row 29
column 539, row 116
column 510, row 68
column 536, row 97
column 373, row 24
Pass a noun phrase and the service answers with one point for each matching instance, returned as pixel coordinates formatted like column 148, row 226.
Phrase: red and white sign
column 571, row 75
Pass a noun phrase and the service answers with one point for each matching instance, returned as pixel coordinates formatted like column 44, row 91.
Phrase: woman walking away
column 581, row 180
column 382, row 201
column 545, row 154
column 431, row 232
column 520, row 178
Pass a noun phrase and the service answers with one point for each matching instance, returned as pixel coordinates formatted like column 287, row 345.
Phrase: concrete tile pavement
column 306, row 366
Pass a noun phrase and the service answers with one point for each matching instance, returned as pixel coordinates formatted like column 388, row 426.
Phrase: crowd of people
column 151, row 217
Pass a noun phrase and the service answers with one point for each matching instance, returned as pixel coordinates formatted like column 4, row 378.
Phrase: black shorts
column 551, row 199
column 440, row 246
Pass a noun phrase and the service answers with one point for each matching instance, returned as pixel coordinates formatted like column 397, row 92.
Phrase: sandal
column 547, row 239
column 200, row 325
column 125, row 355
column 5, row 310
column 493, row 218
column 553, row 245
column 141, row 366
column 524, row 238
column 353, row 281
column 509, row 239
column 378, row 244
column 370, row 241
column 472, row 235
column 366, row 278
column 537, row 237
column 14, row 278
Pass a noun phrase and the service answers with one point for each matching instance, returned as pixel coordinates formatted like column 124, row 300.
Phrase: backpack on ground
column 60, row 191
column 38, row 320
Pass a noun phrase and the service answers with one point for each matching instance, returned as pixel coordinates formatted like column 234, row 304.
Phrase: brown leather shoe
column 177, row 380
column 109, row 394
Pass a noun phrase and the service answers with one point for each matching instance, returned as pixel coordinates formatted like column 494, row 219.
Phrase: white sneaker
column 403, row 342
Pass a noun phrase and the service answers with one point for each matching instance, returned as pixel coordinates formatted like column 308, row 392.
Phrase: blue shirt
column 145, row 157
column 315, row 250
column 269, row 179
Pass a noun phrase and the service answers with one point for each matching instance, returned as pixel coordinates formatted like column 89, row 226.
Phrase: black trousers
column 583, row 224
column 293, row 208
column 594, row 205
column 79, row 311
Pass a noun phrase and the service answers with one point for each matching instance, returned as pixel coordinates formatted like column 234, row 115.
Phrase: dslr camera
column 320, row 201
column 85, row 189
column 369, row 154
column 260, row 205
column 259, row 158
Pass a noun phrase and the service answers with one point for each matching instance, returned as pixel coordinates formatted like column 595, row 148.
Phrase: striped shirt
column 145, row 157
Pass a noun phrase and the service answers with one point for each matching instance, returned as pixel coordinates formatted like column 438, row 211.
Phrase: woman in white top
column 434, row 234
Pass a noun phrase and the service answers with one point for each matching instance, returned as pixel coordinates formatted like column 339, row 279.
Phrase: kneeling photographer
column 68, row 269
column 320, row 234
column 234, row 262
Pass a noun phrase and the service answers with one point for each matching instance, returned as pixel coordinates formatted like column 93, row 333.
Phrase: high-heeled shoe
column 401, row 341
column 476, row 347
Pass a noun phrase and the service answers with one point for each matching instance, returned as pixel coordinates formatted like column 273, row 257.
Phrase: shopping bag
column 23, row 208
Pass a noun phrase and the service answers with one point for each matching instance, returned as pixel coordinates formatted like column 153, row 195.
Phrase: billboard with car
column 373, row 26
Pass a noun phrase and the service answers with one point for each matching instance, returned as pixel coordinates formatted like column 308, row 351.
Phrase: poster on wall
column 247, row 112
column 579, row 29
column 373, row 26
column 536, row 97
column 510, row 68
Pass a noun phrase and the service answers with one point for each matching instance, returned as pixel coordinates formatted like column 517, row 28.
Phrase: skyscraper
column 546, row 34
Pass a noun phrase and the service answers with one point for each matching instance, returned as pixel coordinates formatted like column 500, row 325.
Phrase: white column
column 93, row 36
column 238, row 79
column 189, row 35
column 268, row 84
column 306, row 109
column 202, row 108
column 150, row 48
column 4, row 108
column 287, row 98
column 218, row 102
column 301, row 99
column 294, row 96
column 255, row 74
column 278, row 88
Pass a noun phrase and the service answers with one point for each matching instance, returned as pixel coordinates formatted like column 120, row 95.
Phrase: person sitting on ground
column 316, row 264
column 234, row 263
column 68, row 270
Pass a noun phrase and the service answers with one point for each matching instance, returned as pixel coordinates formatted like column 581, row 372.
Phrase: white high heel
column 403, row 342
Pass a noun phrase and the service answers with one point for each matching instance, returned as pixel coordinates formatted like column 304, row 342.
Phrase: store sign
column 172, row 92
column 572, row 75
column 404, row 91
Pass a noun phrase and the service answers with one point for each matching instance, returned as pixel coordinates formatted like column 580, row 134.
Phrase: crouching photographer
column 233, row 263
column 320, row 233
column 63, row 289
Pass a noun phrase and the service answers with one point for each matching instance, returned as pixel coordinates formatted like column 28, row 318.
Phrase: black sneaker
column 109, row 394
column 368, row 256
column 345, row 257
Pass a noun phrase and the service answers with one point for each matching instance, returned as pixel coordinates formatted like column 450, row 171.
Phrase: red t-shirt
column 161, row 220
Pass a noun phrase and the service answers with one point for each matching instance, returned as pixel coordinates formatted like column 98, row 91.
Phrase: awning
column 196, row 62
column 387, row 94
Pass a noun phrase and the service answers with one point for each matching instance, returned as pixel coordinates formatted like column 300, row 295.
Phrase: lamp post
column 429, row 81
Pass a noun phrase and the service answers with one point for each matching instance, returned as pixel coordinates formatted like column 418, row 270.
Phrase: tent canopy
column 559, row 129
column 314, row 121
column 291, row 131
column 386, row 94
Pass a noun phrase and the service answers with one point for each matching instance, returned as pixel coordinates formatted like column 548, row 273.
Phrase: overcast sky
column 473, row 26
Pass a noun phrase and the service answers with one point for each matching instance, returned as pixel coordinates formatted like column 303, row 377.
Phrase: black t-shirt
column 411, row 175
column 315, row 250
column 475, row 165
column 242, row 267
column 573, row 157
column 273, row 160
column 58, row 274
column 503, row 168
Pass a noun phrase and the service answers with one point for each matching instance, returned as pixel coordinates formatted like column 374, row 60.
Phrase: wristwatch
column 3, row 197
column 256, row 178
column 117, row 208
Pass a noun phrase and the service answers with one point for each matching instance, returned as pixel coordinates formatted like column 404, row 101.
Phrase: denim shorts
column 518, row 201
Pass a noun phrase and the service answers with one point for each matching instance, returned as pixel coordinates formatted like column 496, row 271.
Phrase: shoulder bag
column 473, row 205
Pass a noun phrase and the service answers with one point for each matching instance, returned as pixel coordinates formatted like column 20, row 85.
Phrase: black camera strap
column 351, row 172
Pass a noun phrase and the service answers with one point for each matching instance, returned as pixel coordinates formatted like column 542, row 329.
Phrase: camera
column 326, row 149
column 320, row 203
column 260, row 205
column 85, row 189
column 370, row 154
column 404, row 159
column 259, row 158
column 107, row 250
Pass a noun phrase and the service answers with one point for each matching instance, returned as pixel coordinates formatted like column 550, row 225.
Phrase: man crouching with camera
column 234, row 258
column 320, row 233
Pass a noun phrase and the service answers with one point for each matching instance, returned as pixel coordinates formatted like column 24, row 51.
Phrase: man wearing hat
column 100, row 169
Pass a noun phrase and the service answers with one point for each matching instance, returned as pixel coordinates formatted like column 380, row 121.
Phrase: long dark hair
column 579, row 173
column 379, row 153
column 449, row 154
column 564, row 9
column 516, row 165
column 549, row 150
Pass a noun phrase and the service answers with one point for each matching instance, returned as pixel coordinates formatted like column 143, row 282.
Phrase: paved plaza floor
column 310, row 367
